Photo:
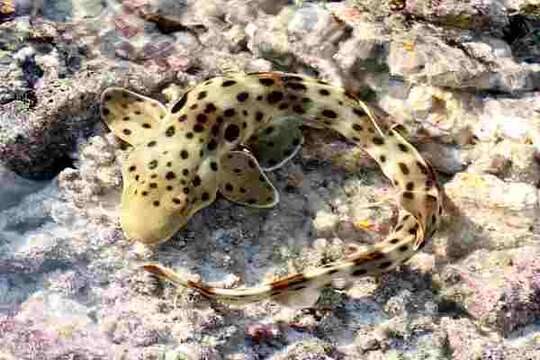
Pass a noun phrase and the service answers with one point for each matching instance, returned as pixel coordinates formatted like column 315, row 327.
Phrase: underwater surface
column 458, row 80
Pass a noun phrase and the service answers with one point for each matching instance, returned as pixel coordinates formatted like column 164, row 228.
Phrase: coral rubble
column 463, row 78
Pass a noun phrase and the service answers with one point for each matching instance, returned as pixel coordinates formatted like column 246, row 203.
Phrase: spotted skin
column 190, row 152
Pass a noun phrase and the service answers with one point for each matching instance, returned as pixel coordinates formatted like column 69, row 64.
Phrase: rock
column 523, row 36
column 445, row 158
column 420, row 57
column 67, row 10
column 35, row 143
column 273, row 7
column 504, row 289
column 308, row 348
column 13, row 188
column 325, row 223
column 486, row 15
column 463, row 338
column 492, row 213
column 367, row 342
column 523, row 113
column 429, row 112
column 51, row 325
column 508, row 160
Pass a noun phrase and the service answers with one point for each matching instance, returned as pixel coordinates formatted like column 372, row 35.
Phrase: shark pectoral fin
column 277, row 143
column 131, row 117
column 242, row 181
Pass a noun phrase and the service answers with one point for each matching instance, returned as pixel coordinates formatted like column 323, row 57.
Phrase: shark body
column 185, row 153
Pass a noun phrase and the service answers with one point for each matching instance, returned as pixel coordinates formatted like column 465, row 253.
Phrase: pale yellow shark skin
column 183, row 155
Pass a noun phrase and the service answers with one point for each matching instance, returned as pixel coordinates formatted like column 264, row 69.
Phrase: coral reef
column 463, row 78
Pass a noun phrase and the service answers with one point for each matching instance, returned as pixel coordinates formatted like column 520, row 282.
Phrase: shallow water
column 463, row 79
